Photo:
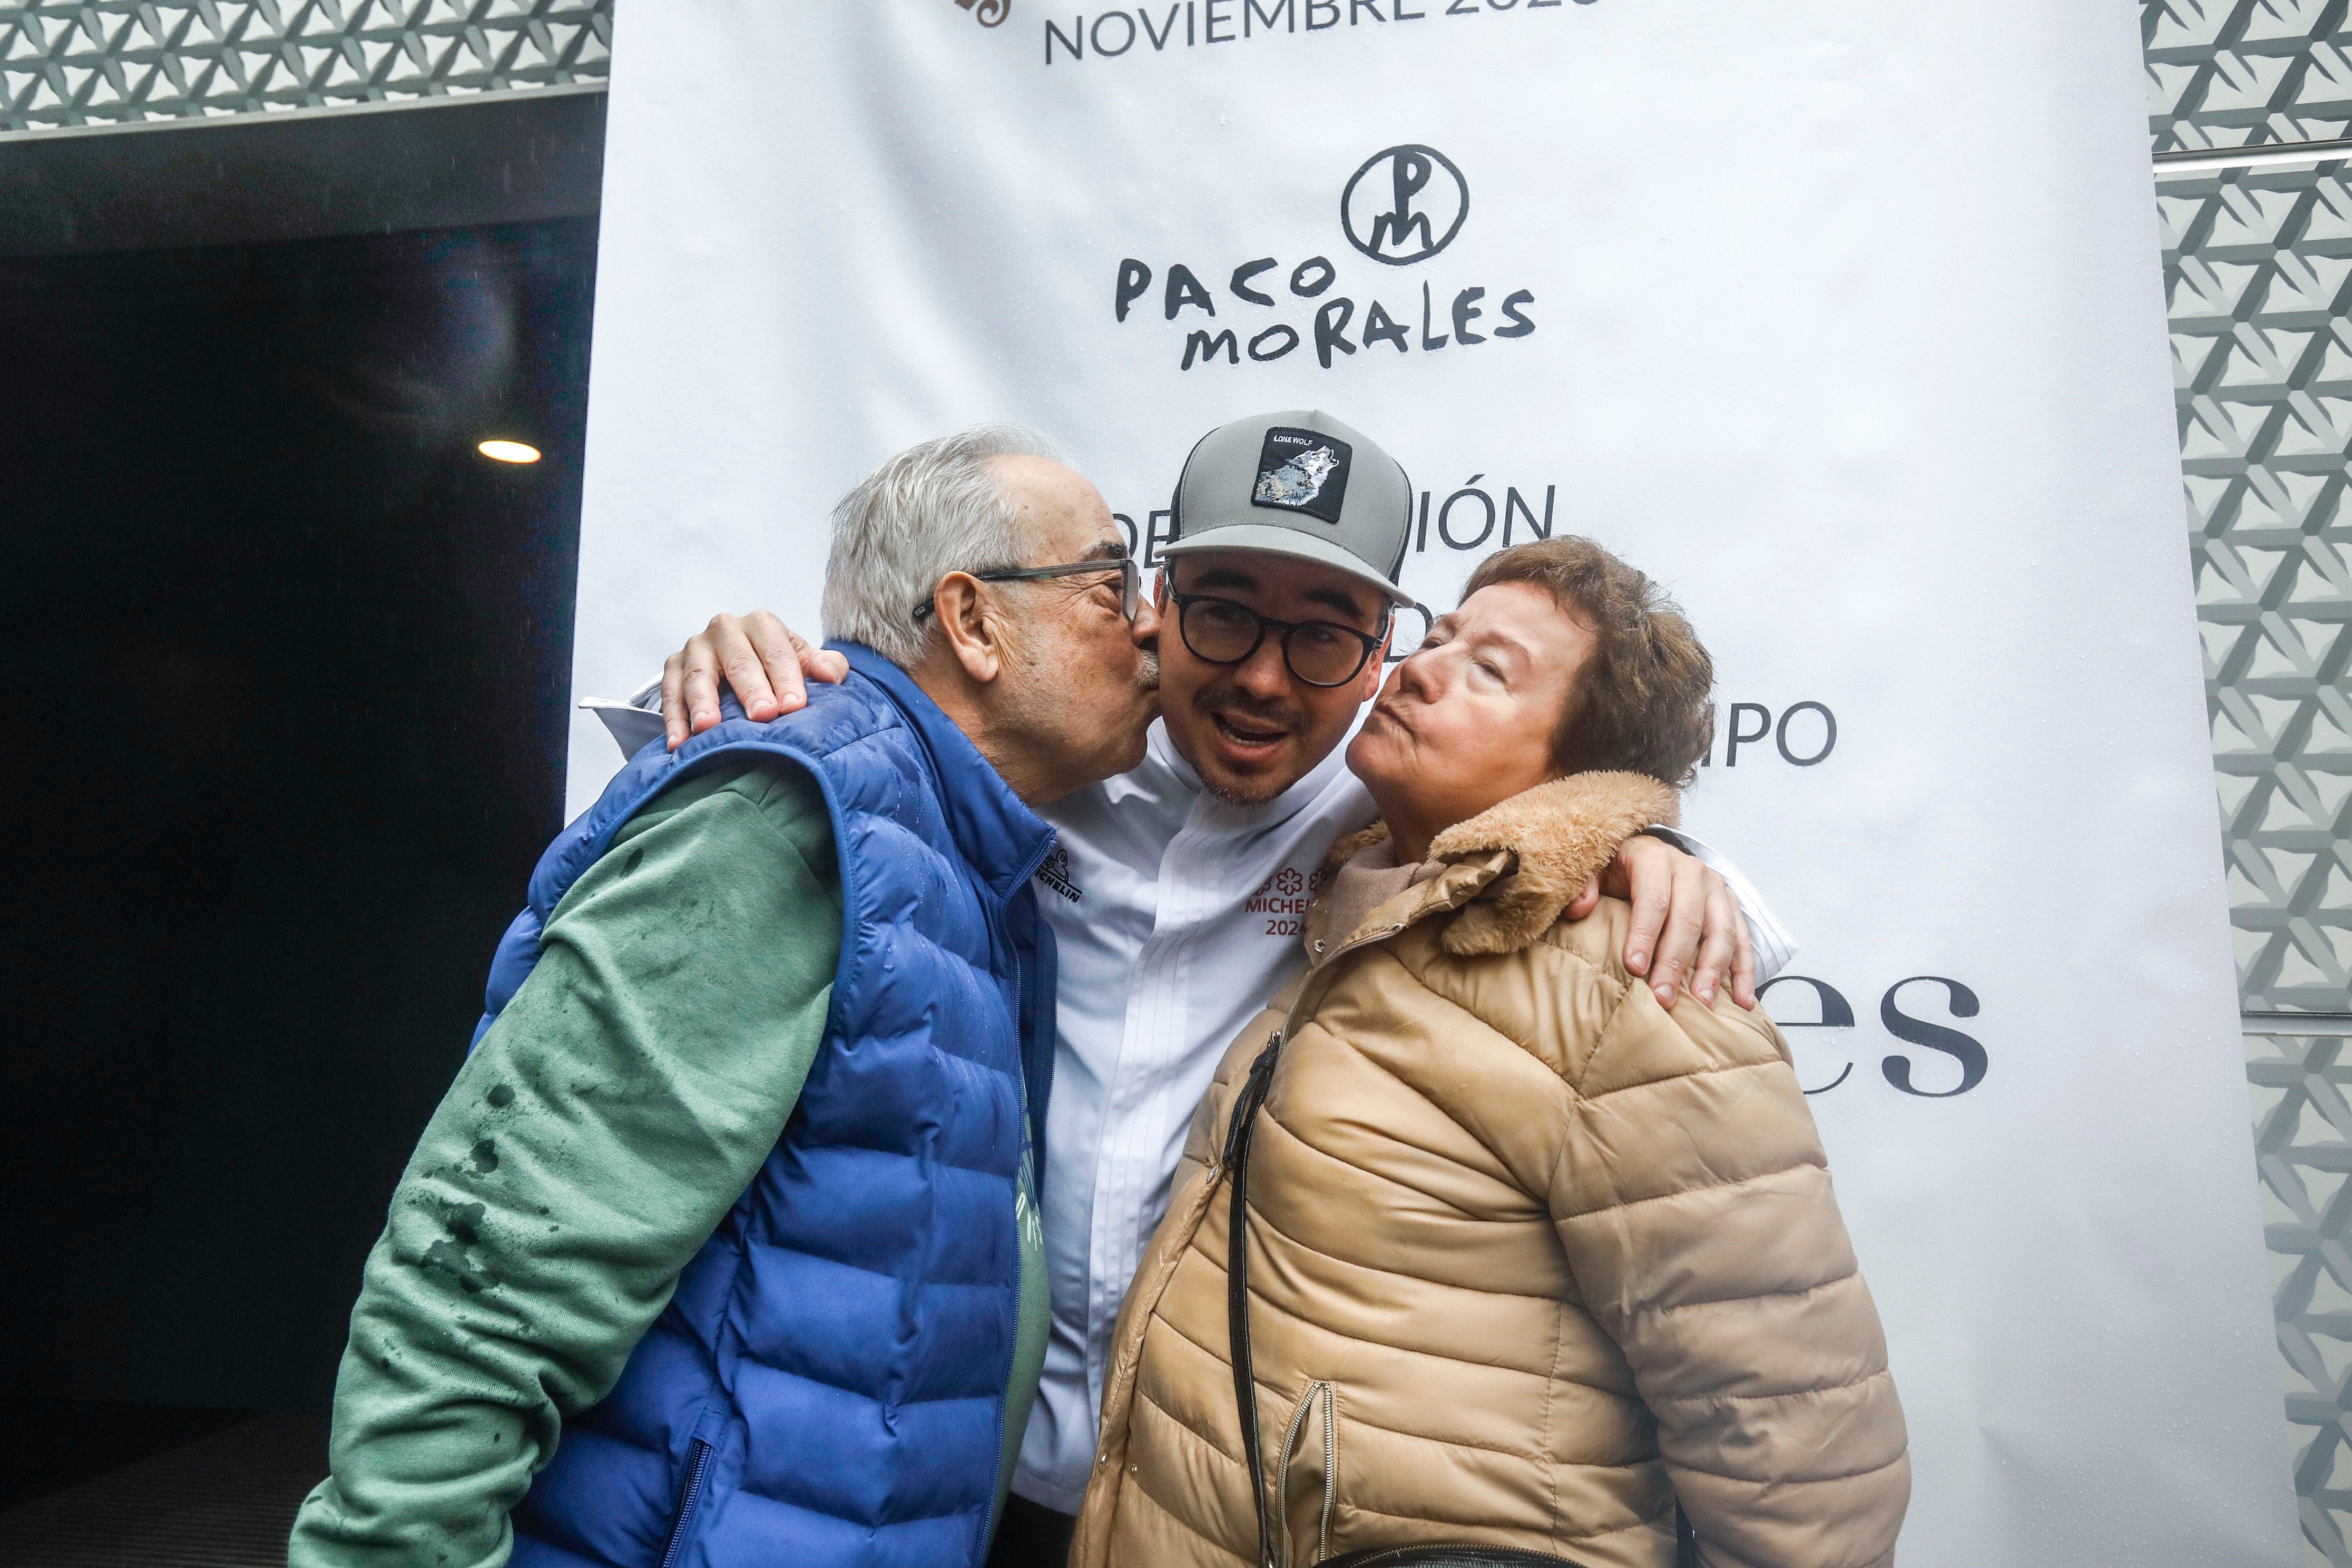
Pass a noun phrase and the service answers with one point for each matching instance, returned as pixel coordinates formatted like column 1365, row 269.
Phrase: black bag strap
column 1237, row 1148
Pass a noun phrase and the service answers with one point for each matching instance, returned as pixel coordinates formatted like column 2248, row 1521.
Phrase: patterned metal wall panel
column 2303, row 1140
column 99, row 62
column 2260, row 268
column 2237, row 73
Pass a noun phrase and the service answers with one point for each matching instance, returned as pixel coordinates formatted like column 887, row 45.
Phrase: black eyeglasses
column 1131, row 580
column 1320, row 653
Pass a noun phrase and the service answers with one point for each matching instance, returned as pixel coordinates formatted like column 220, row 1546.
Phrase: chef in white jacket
column 1177, row 892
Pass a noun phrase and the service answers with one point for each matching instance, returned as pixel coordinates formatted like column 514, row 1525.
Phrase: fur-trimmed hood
column 1512, row 869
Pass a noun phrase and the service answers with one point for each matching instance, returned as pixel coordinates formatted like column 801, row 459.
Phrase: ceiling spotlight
column 507, row 451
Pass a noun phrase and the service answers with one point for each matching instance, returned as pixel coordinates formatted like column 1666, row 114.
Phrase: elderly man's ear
column 972, row 627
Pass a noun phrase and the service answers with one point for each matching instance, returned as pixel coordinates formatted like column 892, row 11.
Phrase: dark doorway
column 286, row 661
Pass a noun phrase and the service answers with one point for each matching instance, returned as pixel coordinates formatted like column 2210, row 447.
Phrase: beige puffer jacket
column 1528, row 1255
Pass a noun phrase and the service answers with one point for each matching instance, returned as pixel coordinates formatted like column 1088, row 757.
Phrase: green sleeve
column 588, row 1148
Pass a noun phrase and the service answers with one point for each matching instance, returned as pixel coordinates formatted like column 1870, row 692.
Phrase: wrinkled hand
column 767, row 663
column 1685, row 922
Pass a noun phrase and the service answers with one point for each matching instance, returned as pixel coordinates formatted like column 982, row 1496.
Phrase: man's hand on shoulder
column 1685, row 922
column 767, row 663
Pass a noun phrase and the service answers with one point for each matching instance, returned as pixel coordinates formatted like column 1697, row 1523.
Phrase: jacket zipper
column 1330, row 1466
column 1021, row 1079
column 1330, row 1469
column 1281, row 1036
column 1323, row 970
column 696, row 1467
column 1282, row 1475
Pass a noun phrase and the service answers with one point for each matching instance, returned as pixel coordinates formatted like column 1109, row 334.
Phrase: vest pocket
column 690, row 1498
column 1313, row 1442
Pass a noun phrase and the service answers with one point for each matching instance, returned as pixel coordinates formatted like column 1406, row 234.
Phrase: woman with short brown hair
column 1530, row 1261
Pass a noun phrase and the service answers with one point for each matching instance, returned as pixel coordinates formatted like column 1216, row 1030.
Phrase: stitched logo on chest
column 1055, row 874
column 1283, row 899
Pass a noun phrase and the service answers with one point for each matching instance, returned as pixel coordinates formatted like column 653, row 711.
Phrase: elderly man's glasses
column 1131, row 580
column 1320, row 653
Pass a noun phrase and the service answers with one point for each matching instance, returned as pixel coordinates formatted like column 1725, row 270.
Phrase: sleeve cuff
column 1775, row 944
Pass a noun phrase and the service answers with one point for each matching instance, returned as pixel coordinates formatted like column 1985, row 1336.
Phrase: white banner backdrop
column 1844, row 320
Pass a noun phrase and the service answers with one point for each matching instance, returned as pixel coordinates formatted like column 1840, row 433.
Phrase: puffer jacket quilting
column 827, row 1385
column 1530, row 1256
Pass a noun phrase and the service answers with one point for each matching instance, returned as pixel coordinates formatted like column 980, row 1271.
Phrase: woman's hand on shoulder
column 1686, row 921
column 767, row 663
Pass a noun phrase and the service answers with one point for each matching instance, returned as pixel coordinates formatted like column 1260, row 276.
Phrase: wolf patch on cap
column 1304, row 472
column 1299, row 483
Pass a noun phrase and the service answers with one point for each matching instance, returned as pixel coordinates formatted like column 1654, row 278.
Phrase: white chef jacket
column 1177, row 917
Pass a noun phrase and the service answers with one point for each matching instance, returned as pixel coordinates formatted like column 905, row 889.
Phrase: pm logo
column 1405, row 204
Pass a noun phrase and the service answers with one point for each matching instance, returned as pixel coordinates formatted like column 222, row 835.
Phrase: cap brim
column 1271, row 539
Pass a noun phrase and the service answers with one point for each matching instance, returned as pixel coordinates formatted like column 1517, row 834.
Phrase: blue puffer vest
column 828, row 1385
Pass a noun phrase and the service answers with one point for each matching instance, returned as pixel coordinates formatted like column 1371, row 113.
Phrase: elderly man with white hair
column 723, row 1247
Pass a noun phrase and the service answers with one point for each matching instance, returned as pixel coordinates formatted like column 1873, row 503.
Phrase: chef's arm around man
column 600, row 1130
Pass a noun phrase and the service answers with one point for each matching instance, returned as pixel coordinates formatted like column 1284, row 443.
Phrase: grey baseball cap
column 1299, row 484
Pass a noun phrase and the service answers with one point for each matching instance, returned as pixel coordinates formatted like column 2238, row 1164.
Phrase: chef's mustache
column 1232, row 699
